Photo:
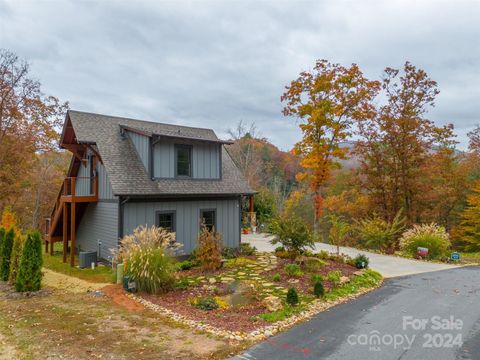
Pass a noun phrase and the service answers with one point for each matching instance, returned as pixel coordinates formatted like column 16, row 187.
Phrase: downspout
column 121, row 202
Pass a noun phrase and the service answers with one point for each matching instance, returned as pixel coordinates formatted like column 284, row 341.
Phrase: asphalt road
column 426, row 316
column 388, row 266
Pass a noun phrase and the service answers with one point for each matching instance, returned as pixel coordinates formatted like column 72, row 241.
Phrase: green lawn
column 101, row 274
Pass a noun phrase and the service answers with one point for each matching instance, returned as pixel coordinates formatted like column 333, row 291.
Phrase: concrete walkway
column 388, row 266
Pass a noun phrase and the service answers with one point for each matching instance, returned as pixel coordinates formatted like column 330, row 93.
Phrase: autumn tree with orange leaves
column 398, row 141
column 29, row 124
column 327, row 100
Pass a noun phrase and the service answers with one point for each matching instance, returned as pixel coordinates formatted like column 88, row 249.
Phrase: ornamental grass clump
column 430, row 236
column 376, row 233
column 147, row 254
column 209, row 250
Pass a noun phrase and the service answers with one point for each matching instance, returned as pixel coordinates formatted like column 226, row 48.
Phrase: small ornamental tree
column 29, row 277
column 209, row 250
column 5, row 254
column 9, row 219
column 338, row 231
column 293, row 233
column 15, row 258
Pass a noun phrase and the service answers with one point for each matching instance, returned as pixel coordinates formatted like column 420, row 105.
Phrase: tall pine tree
column 29, row 277
column 6, row 253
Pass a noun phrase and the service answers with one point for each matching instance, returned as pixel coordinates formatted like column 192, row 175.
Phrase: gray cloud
column 213, row 63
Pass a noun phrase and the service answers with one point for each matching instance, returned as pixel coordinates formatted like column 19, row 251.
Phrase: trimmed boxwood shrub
column 6, row 253
column 29, row 277
column 318, row 289
column 292, row 297
column 361, row 261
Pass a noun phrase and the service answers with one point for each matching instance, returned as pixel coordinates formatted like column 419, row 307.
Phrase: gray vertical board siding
column 142, row 145
column 99, row 223
column 163, row 159
column 205, row 159
column 82, row 182
column 187, row 217
column 104, row 187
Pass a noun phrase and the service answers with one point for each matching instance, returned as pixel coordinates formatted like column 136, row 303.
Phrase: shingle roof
column 126, row 172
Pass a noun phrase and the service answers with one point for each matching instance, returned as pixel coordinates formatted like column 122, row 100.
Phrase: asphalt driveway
column 388, row 266
column 426, row 316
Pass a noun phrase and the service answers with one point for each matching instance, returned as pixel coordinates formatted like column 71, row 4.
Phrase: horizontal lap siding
column 99, row 223
column 187, row 219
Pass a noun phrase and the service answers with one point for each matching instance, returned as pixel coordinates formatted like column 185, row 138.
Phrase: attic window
column 183, row 160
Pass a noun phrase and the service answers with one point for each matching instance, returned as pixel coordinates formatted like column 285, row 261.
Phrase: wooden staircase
column 70, row 203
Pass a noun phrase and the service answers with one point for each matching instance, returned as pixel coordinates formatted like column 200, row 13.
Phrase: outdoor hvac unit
column 86, row 259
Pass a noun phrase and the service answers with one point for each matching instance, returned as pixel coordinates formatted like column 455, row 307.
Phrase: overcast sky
column 213, row 63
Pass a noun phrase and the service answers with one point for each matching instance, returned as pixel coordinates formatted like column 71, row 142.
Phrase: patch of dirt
column 76, row 326
column 68, row 283
column 7, row 351
column 9, row 292
column 116, row 293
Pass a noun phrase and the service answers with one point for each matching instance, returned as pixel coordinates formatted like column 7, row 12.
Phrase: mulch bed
column 242, row 319
column 304, row 284
column 232, row 319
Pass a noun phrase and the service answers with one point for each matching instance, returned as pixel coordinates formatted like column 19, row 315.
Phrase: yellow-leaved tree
column 469, row 230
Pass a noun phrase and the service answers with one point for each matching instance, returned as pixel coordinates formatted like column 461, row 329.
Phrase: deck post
column 65, row 229
column 51, row 245
column 252, row 214
column 72, row 234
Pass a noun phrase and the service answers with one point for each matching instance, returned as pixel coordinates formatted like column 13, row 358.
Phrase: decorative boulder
column 344, row 280
column 272, row 303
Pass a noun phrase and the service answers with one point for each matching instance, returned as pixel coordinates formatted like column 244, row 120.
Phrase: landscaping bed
column 246, row 299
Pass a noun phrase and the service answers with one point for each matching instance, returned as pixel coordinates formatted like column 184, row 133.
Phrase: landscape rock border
column 262, row 333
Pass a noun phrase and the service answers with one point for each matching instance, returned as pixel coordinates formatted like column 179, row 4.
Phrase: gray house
column 125, row 173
